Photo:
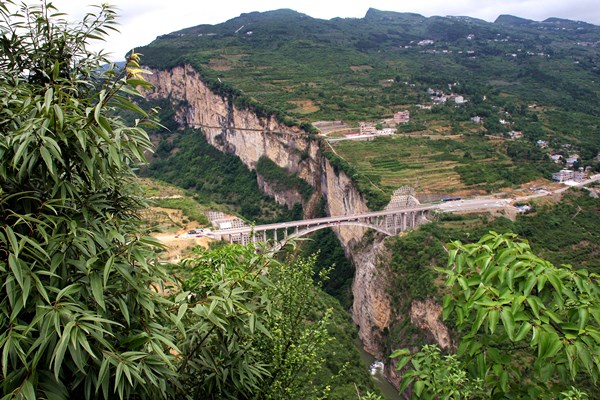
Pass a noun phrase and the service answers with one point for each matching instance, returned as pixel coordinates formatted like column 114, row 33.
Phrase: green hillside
column 539, row 78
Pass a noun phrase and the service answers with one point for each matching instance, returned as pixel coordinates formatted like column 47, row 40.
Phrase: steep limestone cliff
column 243, row 133
column 426, row 316
column 248, row 136
column 372, row 303
column 288, row 197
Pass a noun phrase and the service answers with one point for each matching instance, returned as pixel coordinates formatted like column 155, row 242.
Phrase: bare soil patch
column 305, row 106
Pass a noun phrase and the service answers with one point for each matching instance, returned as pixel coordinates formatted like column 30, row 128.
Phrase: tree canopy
column 80, row 311
column 527, row 328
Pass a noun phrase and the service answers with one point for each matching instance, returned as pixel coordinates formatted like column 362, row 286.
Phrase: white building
column 563, row 175
column 568, row 175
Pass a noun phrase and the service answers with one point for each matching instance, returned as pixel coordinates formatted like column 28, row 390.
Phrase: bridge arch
column 312, row 229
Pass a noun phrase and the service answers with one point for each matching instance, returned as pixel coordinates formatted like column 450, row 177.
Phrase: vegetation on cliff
column 561, row 233
column 280, row 180
column 187, row 160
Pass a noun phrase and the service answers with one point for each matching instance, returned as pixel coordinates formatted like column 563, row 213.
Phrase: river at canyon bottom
column 388, row 391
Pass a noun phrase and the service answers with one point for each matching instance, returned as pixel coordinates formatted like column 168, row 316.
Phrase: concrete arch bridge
column 388, row 222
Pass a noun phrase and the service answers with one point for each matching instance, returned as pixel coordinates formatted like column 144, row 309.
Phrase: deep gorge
column 250, row 137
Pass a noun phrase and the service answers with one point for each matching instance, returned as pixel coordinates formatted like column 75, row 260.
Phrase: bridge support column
column 275, row 235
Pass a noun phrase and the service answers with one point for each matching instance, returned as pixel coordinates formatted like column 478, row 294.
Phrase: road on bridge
column 480, row 203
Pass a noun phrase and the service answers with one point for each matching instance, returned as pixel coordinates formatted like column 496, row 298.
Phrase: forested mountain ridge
column 281, row 56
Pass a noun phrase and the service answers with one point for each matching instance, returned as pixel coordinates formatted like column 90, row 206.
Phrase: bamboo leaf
column 59, row 115
column 27, row 390
column 97, row 290
column 48, row 160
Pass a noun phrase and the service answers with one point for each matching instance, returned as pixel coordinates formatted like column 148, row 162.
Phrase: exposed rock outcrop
column 289, row 197
column 426, row 315
column 372, row 304
column 242, row 133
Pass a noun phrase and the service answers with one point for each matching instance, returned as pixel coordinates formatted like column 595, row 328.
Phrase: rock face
column 244, row 134
column 372, row 304
column 288, row 197
column 426, row 315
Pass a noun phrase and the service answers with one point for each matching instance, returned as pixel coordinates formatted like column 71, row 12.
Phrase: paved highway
column 481, row 203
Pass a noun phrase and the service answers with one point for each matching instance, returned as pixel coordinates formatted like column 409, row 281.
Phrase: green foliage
column 528, row 328
column 561, row 233
column 434, row 376
column 280, row 180
column 330, row 257
column 80, row 315
column 214, row 177
column 566, row 232
column 412, row 258
column 343, row 369
column 250, row 326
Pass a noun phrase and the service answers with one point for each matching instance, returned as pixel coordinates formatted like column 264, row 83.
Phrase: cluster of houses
column 439, row 97
column 567, row 174
column 569, row 161
column 369, row 128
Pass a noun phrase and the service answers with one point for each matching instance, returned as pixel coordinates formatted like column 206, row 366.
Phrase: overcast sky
column 141, row 21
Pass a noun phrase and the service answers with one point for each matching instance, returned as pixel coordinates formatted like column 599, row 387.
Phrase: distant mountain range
column 270, row 55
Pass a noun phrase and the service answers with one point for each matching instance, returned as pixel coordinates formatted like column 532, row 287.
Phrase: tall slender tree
column 80, row 312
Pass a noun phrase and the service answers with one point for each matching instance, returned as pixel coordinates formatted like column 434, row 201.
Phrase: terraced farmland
column 430, row 166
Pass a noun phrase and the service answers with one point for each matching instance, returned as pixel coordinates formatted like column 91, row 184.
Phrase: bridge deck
column 324, row 221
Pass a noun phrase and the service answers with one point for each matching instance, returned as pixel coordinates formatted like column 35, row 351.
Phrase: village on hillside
column 566, row 156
